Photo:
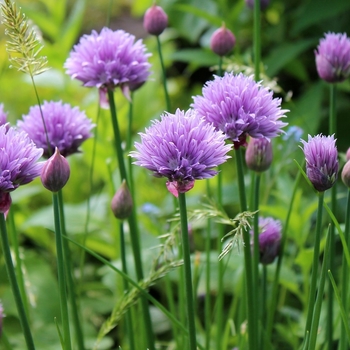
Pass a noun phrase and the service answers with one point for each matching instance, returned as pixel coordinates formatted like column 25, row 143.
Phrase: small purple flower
column 182, row 147
column 345, row 174
column 333, row 57
column 67, row 127
column 3, row 115
column 269, row 239
column 239, row 106
column 18, row 162
column 321, row 161
column 108, row 60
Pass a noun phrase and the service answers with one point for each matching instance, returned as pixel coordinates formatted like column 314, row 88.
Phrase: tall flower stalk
column 322, row 170
column 183, row 148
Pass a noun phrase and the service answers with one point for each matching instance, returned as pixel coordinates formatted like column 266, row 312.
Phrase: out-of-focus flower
column 122, row 202
column 258, row 155
column 263, row 4
column 155, row 20
column 67, row 127
column 348, row 154
column 3, row 115
column 1, row 317
column 18, row 162
column 238, row 106
column 269, row 239
column 182, row 147
column 108, row 60
column 333, row 57
column 222, row 41
column 55, row 172
column 321, row 157
column 345, row 174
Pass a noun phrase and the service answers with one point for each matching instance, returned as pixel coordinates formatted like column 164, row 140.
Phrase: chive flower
column 238, row 106
column 321, row 157
column 155, row 20
column 109, row 59
column 345, row 174
column 333, row 57
column 182, row 147
column 67, row 127
column 18, row 162
column 269, row 239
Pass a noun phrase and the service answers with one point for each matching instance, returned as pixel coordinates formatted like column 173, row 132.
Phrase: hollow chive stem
column 187, row 273
column 135, row 244
column 14, row 285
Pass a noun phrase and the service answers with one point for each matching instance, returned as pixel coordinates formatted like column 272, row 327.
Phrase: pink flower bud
column 122, row 202
column 348, row 154
column 222, row 41
column 258, row 155
column 55, row 172
column 345, row 174
column 5, row 202
column 155, row 20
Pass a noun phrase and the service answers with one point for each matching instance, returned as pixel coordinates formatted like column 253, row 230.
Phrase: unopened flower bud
column 269, row 239
column 122, row 203
column 348, row 154
column 155, row 20
column 222, row 41
column 258, row 155
column 55, row 172
column 345, row 174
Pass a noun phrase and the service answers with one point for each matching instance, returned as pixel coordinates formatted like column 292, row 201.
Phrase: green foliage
column 290, row 33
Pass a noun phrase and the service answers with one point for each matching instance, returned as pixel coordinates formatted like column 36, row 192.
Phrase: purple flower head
column 269, row 239
column 109, row 59
column 345, row 174
column 18, row 160
column 321, row 161
column 238, row 106
column 333, row 57
column 67, row 127
column 182, row 147
column 3, row 115
column 222, row 41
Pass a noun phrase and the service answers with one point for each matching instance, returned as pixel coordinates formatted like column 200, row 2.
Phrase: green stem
column 188, row 273
column 72, row 295
column 332, row 130
column 129, row 323
column 274, row 293
column 343, row 342
column 14, row 285
column 135, row 244
column 258, row 305
column 319, row 298
column 257, row 40
column 61, row 273
column 220, row 286
column 207, row 302
column 314, row 274
column 252, row 319
column 18, row 261
column 220, row 67
column 167, row 99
